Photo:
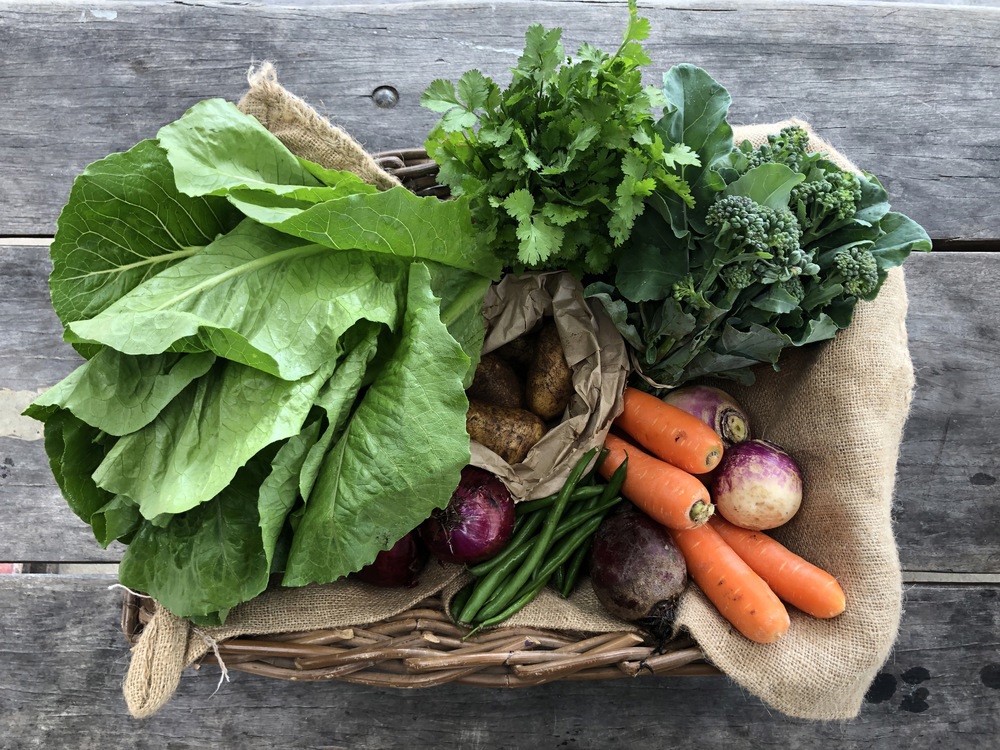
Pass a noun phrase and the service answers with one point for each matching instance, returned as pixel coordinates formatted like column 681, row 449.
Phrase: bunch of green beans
column 550, row 541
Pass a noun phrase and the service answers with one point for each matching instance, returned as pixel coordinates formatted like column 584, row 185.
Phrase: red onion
column 477, row 523
column 397, row 566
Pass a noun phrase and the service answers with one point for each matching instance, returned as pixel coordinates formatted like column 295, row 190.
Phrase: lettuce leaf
column 278, row 356
column 374, row 485
column 125, row 222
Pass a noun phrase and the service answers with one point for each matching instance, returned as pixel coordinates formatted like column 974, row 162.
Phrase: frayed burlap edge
column 305, row 132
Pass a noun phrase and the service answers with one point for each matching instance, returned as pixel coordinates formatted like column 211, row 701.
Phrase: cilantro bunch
column 558, row 165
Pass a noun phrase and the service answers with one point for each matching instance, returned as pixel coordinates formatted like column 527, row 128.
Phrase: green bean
column 529, row 592
column 521, row 533
column 573, row 568
column 486, row 585
column 614, row 485
column 461, row 597
column 513, row 608
column 559, row 577
column 513, row 554
column 580, row 493
column 569, row 545
column 542, row 543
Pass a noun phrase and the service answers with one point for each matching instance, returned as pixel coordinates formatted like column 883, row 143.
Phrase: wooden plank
column 80, row 83
column 62, row 648
column 947, row 492
column 947, row 509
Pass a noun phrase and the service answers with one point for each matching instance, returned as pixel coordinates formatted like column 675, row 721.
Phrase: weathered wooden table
column 910, row 91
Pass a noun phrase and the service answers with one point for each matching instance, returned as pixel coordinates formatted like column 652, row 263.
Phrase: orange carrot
column 740, row 595
column 794, row 580
column 670, row 433
column 663, row 492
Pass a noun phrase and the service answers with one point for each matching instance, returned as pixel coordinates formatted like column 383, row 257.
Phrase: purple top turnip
column 757, row 485
column 714, row 407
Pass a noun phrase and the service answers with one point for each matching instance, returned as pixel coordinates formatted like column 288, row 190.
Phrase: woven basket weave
column 422, row 647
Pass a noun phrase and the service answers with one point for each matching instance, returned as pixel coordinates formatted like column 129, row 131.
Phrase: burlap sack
column 839, row 408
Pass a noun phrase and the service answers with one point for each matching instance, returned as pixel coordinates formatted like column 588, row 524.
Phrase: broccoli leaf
column 769, row 185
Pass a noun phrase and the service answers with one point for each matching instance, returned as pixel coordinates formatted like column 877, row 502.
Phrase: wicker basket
column 422, row 647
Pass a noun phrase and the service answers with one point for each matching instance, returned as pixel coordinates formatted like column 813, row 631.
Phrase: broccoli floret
column 825, row 201
column 684, row 292
column 858, row 271
column 770, row 237
column 783, row 232
column 741, row 223
column 737, row 276
column 790, row 146
column 747, row 226
column 794, row 288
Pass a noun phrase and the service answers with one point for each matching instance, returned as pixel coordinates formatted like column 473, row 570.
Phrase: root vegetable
column 397, row 566
column 519, row 352
column 636, row 570
column 714, row 407
column 740, row 595
column 793, row 579
column 550, row 379
column 669, row 433
column 507, row 431
column 667, row 494
column 477, row 523
column 757, row 485
column 495, row 382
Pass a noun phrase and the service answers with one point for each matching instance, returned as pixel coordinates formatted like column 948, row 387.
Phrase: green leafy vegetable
column 260, row 332
column 778, row 248
column 558, row 165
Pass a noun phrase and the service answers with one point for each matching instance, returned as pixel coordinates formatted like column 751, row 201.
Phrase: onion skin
column 636, row 570
column 476, row 524
column 714, row 407
column 396, row 567
column 757, row 485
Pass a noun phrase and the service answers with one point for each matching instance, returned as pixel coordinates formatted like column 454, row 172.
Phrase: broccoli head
column 790, row 147
column 857, row 271
column 824, row 201
column 737, row 276
column 746, row 226
column 684, row 291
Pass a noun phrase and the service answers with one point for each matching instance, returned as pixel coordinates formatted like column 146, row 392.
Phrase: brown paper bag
column 595, row 353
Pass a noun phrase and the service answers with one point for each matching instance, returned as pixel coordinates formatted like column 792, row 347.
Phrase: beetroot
column 636, row 571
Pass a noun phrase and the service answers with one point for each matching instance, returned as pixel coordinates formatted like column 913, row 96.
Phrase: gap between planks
column 909, row 576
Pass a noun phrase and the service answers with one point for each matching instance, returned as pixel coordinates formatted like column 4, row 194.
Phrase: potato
column 507, row 431
column 550, row 380
column 495, row 382
column 519, row 352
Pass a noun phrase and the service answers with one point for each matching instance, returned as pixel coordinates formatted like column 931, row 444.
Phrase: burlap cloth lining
column 839, row 408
